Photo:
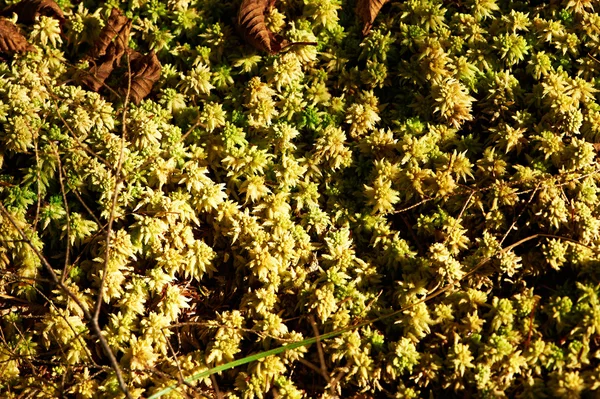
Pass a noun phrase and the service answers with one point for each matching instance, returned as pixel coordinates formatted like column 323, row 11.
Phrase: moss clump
column 442, row 169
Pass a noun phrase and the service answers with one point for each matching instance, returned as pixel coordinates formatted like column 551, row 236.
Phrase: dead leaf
column 11, row 38
column 28, row 10
column 145, row 71
column 134, row 55
column 108, row 49
column 367, row 10
column 121, row 43
column 101, row 69
column 117, row 26
column 251, row 24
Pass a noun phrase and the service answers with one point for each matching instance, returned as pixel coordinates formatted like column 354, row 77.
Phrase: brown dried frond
column 145, row 71
column 11, row 38
column 367, row 10
column 251, row 24
column 28, row 10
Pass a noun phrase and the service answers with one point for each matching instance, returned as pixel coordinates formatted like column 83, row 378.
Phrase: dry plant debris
column 107, row 52
column 29, row 10
column 367, row 11
column 251, row 24
column 145, row 73
column 115, row 33
column 11, row 38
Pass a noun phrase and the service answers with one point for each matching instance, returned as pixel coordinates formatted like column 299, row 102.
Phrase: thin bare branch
column 180, row 377
column 312, row 367
column 66, row 204
column 324, row 371
column 73, row 135
column 77, row 334
column 93, row 322
column 116, row 191
column 514, row 223
column 39, row 189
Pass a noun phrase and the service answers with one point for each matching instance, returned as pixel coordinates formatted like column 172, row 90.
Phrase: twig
column 43, row 259
column 66, row 204
column 531, row 317
column 180, row 377
column 117, row 185
column 39, row 191
column 460, row 214
column 433, row 294
column 74, row 136
column 298, row 344
column 247, row 330
column 90, row 241
column 468, row 189
column 14, row 355
column 93, row 322
column 411, row 231
column 319, row 348
column 77, row 334
column 335, row 381
column 514, row 223
column 74, row 191
column 37, row 170
column 100, row 296
column 418, row 204
column 87, row 208
column 213, row 380
column 312, row 367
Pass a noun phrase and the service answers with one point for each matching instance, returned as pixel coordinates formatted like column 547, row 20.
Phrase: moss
column 441, row 169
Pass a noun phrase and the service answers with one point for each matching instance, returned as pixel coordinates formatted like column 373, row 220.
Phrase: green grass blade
column 294, row 345
column 256, row 356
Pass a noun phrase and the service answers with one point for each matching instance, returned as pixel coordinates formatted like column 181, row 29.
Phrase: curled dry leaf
column 121, row 42
column 145, row 71
column 101, row 70
column 367, row 10
column 133, row 55
column 117, row 26
column 251, row 24
column 11, row 38
column 108, row 50
column 28, row 10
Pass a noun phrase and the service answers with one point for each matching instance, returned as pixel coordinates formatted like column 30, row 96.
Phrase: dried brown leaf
column 117, row 26
column 101, row 69
column 133, row 55
column 121, row 43
column 11, row 38
column 367, row 10
column 145, row 71
column 28, row 10
column 108, row 49
column 251, row 24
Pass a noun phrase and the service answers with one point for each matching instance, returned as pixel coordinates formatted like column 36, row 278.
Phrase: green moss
column 441, row 169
